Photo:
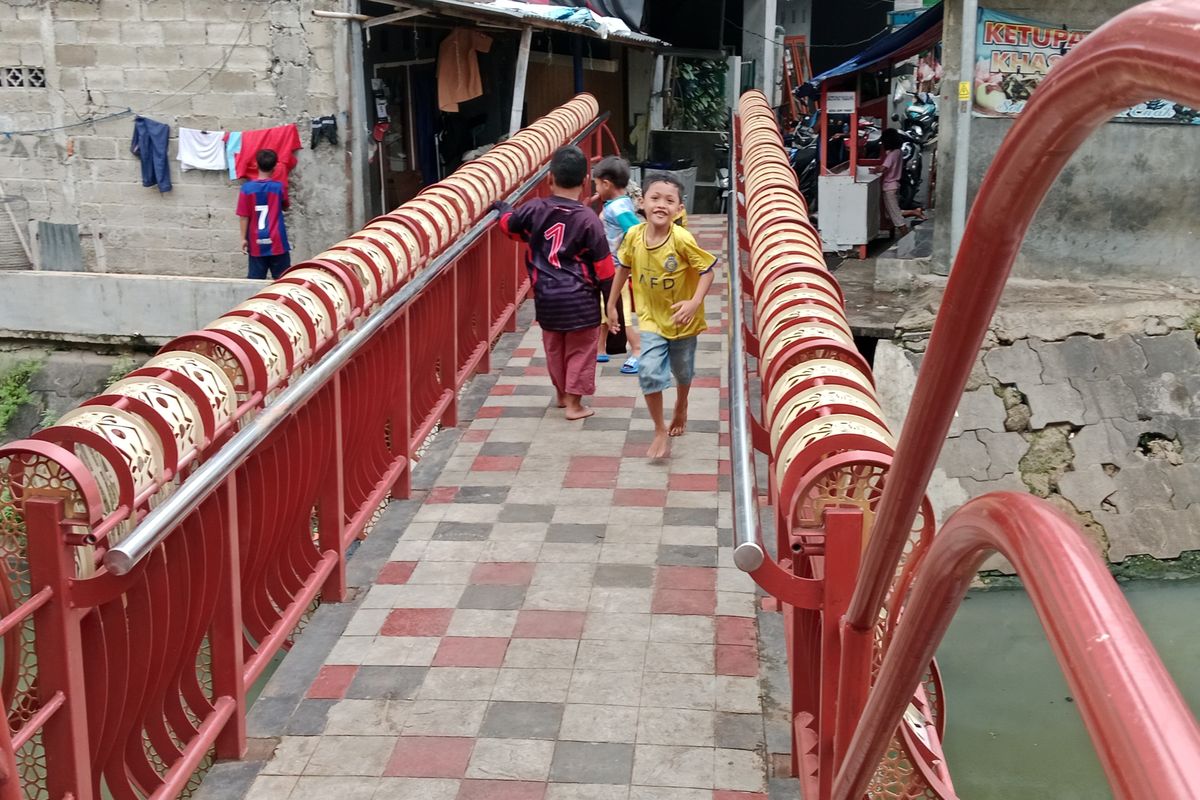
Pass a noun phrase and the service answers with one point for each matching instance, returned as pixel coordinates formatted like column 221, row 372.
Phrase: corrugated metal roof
column 519, row 18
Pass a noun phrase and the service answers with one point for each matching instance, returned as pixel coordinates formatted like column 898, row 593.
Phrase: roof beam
column 399, row 16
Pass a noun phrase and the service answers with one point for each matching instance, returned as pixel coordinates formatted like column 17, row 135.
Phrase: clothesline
column 81, row 124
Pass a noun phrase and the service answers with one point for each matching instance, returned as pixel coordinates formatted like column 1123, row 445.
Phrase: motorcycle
column 724, row 182
column 920, row 117
column 804, row 154
column 911, row 171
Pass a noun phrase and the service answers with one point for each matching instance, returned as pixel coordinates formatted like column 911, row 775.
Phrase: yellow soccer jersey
column 663, row 276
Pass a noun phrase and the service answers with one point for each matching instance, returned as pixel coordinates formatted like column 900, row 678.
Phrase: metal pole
column 962, row 137
column 518, row 104
column 167, row 516
column 358, row 126
column 748, row 552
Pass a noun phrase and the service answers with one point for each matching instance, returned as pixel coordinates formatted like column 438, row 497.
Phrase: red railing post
column 843, row 549
column 226, row 644
column 59, row 652
column 402, row 411
column 450, row 328
column 331, row 507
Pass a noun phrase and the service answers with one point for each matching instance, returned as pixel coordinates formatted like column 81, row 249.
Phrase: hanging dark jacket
column 150, row 141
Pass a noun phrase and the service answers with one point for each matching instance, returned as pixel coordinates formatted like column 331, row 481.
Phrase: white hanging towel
column 201, row 149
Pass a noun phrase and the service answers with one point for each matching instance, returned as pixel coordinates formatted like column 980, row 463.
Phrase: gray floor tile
column 690, row 516
column 592, row 762
column 309, row 718
column 679, row 555
column 392, row 683
column 521, row 512
column 504, row 448
column 624, row 575
column 739, row 731
column 522, row 721
column 575, row 533
column 605, row 424
column 497, row 598
column 462, row 531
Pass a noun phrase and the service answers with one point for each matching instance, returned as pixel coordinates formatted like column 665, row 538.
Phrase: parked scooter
column 724, row 182
column 920, row 117
column 804, row 153
column 910, row 172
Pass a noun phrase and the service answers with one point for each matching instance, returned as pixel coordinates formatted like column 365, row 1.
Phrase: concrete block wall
column 1104, row 424
column 208, row 64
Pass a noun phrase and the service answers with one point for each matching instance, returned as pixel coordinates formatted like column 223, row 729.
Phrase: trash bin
column 684, row 170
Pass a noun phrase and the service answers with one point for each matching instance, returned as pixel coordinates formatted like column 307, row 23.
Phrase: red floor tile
column 417, row 622
column 332, row 682
column 723, row 467
column 736, row 660
column 536, row 372
column 723, row 439
column 706, row 383
column 501, row 790
column 737, row 630
column 590, row 480
column 696, row 579
column 684, row 482
column 594, row 464
column 441, row 494
column 726, row 794
column 429, row 757
column 680, row 601
column 503, row 573
column 489, row 412
column 503, row 389
column 470, row 651
column 549, row 625
column 652, row 498
column 395, row 572
column 524, row 352
column 497, row 463
column 475, row 435
column 612, row 402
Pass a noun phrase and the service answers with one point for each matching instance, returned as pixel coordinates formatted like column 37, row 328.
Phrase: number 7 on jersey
column 555, row 235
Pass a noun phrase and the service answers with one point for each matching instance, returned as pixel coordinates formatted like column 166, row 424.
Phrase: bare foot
column 579, row 412
column 562, row 400
column 679, row 421
column 659, row 447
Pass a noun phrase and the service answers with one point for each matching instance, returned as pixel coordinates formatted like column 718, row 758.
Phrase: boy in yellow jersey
column 670, row 275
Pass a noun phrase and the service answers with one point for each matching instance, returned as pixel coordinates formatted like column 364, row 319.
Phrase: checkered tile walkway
column 561, row 620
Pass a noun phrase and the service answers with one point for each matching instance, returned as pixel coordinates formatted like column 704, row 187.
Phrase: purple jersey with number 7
column 567, row 260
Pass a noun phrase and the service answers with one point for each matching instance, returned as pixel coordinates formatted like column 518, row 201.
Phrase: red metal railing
column 164, row 541
column 871, row 726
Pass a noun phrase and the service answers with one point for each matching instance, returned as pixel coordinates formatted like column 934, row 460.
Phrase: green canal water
column 1011, row 730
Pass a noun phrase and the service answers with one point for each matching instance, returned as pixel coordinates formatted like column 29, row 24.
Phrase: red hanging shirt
column 283, row 139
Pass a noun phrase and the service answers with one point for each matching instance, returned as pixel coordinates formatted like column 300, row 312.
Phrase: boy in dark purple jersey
column 261, row 204
column 568, row 262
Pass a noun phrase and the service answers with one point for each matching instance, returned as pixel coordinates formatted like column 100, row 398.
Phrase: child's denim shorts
column 661, row 358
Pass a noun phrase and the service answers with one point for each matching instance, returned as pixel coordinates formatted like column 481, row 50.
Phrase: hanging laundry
column 458, row 67
column 150, row 140
column 201, row 149
column 324, row 128
column 283, row 139
column 233, row 146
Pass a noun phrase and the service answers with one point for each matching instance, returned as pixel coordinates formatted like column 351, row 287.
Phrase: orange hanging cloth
column 458, row 67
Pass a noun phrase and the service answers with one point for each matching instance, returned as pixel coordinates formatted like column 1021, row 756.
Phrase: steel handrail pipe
column 1150, row 51
column 165, row 518
column 748, row 550
column 1145, row 735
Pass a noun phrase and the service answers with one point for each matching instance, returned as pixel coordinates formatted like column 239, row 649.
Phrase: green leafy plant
column 698, row 95
column 120, row 368
column 14, row 390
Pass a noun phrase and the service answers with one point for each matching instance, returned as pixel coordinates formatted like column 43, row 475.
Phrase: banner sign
column 1013, row 55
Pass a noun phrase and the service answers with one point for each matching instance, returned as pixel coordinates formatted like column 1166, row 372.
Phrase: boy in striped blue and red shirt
column 261, row 204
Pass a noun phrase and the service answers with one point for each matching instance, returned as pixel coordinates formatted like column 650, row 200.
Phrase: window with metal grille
column 22, row 78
